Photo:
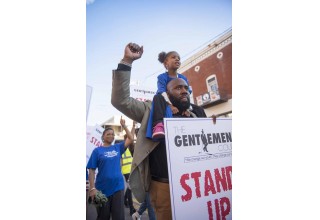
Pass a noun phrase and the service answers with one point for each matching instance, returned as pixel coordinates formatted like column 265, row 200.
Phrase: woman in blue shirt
column 109, row 177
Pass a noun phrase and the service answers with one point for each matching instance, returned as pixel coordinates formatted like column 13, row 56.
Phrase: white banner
column 141, row 93
column 93, row 139
column 199, row 164
column 89, row 92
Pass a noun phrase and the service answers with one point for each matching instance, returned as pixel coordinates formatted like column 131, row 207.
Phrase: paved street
column 136, row 206
column 92, row 214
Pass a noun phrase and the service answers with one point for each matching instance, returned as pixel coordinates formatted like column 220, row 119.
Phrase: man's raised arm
column 120, row 96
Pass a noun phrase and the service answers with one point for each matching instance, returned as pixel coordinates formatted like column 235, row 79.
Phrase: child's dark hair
column 163, row 55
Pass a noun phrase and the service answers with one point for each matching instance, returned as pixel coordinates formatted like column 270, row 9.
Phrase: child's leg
column 159, row 109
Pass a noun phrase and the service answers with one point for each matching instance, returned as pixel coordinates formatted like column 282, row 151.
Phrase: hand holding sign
column 214, row 118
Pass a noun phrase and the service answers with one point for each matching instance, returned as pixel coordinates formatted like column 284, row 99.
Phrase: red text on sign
column 214, row 182
column 222, row 208
column 95, row 141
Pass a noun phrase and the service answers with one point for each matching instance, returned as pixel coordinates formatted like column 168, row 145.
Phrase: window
column 212, row 86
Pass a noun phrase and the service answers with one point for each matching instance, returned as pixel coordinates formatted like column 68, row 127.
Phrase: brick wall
column 222, row 67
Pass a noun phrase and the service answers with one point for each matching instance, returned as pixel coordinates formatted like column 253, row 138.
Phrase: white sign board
column 93, row 139
column 89, row 92
column 200, row 168
column 141, row 93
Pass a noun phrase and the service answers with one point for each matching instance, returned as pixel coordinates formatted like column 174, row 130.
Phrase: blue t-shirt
column 107, row 159
column 164, row 79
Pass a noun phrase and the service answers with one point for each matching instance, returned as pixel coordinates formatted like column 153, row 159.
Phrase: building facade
column 114, row 123
column 209, row 73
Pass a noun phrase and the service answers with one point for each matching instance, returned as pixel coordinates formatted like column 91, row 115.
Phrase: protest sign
column 93, row 139
column 89, row 93
column 199, row 165
column 141, row 93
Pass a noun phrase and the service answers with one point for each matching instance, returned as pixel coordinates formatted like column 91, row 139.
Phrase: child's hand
column 174, row 109
column 186, row 113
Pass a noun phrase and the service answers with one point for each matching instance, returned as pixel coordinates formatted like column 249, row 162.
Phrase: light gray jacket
column 138, row 111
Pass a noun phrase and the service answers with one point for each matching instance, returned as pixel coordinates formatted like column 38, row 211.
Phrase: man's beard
column 181, row 105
